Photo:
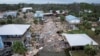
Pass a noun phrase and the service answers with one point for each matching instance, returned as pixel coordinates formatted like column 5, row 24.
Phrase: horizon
column 48, row 1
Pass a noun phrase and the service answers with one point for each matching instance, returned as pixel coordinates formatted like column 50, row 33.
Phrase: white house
column 1, row 15
column 10, row 13
column 39, row 14
column 72, row 19
column 88, row 11
column 25, row 9
column 77, row 40
column 14, row 32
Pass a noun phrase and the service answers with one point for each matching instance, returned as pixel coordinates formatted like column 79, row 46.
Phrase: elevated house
column 14, row 32
column 26, row 9
column 1, row 15
column 59, row 12
column 39, row 15
column 13, row 14
column 72, row 21
column 78, row 40
column 48, row 14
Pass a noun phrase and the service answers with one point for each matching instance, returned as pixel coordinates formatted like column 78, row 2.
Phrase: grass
column 78, row 53
column 67, row 52
column 83, row 31
column 76, row 32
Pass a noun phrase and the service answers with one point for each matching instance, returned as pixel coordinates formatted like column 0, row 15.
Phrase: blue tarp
column 1, row 43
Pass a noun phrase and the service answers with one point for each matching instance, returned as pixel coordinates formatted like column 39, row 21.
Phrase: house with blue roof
column 39, row 14
column 72, row 19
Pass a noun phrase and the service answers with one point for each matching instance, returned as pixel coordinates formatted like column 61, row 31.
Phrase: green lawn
column 76, row 32
column 81, row 53
column 78, row 53
column 86, row 31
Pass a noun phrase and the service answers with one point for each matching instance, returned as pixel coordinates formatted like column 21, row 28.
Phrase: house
column 78, row 40
column 25, row 9
column 72, row 19
column 14, row 32
column 88, row 11
column 4, row 51
column 13, row 14
column 48, row 14
column 1, row 15
column 39, row 14
column 1, row 43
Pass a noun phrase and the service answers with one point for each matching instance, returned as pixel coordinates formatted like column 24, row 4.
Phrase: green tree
column 62, row 18
column 18, row 47
column 87, row 24
column 24, row 16
column 97, row 31
column 35, row 21
column 19, row 21
column 90, row 50
column 9, row 17
column 2, row 22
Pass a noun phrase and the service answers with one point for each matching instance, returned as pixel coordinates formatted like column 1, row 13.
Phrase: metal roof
column 72, row 19
column 13, row 29
column 39, row 14
column 79, row 39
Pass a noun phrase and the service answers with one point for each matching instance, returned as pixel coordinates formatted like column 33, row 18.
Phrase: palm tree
column 18, row 48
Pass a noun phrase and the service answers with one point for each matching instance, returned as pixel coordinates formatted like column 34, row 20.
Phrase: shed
column 72, row 19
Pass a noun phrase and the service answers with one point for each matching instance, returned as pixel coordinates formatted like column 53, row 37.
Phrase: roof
column 72, row 19
column 13, row 29
column 12, row 13
column 26, row 8
column 79, row 39
column 1, row 43
column 39, row 14
column 1, row 15
column 48, row 13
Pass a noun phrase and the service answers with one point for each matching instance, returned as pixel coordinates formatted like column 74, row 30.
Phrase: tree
column 2, row 22
column 19, row 21
column 90, row 50
column 9, row 21
column 35, row 21
column 87, row 24
column 24, row 16
column 9, row 17
column 18, row 47
column 62, row 18
column 97, row 31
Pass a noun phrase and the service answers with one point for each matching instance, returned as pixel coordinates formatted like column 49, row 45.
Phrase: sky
column 47, row 1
